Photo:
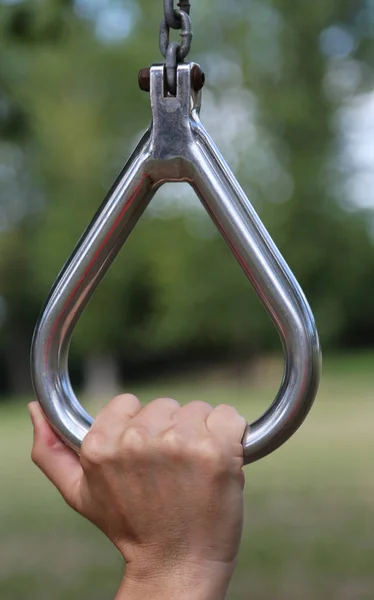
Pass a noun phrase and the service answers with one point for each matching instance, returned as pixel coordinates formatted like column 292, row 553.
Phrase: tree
column 74, row 113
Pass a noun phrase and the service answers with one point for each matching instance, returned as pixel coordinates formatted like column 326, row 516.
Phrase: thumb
column 60, row 464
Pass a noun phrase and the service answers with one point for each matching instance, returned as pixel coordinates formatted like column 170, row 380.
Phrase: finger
column 226, row 423
column 157, row 415
column 60, row 464
column 193, row 416
column 113, row 418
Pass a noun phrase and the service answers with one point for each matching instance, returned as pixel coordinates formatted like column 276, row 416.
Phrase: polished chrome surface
column 177, row 148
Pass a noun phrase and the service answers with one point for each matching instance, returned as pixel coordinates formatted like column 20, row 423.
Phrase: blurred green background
column 289, row 100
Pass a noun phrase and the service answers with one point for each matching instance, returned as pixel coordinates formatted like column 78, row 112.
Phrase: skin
column 165, row 485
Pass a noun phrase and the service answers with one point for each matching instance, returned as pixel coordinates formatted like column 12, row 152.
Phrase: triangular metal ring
column 177, row 148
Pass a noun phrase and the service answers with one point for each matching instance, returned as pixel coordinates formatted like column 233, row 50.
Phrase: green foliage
column 70, row 111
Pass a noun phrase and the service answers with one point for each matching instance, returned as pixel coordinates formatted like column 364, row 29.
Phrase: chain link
column 186, row 35
column 185, row 5
column 173, row 52
column 171, row 70
column 172, row 15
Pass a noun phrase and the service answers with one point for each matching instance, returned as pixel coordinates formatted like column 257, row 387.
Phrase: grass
column 309, row 530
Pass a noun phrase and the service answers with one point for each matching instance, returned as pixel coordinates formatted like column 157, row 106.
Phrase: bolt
column 144, row 79
column 197, row 78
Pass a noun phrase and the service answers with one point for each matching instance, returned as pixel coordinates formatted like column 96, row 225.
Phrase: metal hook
column 177, row 147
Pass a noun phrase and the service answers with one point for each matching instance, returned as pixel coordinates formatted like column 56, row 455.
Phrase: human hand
column 164, row 483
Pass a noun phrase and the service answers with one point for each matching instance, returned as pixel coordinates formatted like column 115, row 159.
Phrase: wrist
column 183, row 583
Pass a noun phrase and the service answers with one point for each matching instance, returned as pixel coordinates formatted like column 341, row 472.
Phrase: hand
column 164, row 483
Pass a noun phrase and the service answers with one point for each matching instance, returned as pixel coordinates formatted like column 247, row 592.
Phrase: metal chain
column 172, row 16
column 173, row 52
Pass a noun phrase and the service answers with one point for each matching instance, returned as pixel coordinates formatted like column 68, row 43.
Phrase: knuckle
column 205, row 453
column 229, row 413
column 209, row 450
column 210, row 454
column 93, row 448
column 135, row 439
column 173, row 444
